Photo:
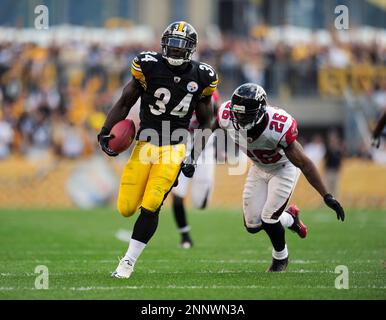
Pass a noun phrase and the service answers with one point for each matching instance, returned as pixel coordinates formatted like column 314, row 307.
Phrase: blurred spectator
column 333, row 160
column 379, row 153
column 315, row 149
column 36, row 131
column 69, row 140
column 364, row 152
column 379, row 96
column 338, row 57
column 6, row 138
column 75, row 80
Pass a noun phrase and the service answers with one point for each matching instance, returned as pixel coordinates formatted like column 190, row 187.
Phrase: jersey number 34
column 163, row 95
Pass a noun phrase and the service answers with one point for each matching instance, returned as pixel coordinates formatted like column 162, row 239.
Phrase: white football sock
column 280, row 255
column 184, row 229
column 286, row 219
column 135, row 249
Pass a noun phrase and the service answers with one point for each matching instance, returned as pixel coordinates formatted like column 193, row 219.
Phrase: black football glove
column 103, row 138
column 330, row 201
column 188, row 169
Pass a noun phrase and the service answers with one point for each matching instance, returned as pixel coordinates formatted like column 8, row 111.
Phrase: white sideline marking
column 27, row 274
column 93, row 288
column 123, row 235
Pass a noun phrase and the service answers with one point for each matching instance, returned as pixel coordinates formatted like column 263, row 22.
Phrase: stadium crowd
column 54, row 99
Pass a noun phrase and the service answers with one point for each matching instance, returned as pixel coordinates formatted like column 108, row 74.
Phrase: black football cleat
column 278, row 265
column 298, row 226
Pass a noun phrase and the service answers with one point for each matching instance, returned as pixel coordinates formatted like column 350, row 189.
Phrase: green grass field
column 80, row 250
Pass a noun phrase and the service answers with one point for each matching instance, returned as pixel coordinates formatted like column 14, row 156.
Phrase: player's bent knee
column 253, row 230
column 202, row 206
column 152, row 201
column 252, row 227
column 126, row 209
column 267, row 218
column 199, row 205
column 151, row 211
column 200, row 202
column 152, row 206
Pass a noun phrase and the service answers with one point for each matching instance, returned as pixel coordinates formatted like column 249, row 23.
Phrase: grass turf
column 80, row 250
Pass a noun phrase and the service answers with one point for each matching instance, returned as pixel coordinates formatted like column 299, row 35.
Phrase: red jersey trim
column 291, row 134
column 221, row 110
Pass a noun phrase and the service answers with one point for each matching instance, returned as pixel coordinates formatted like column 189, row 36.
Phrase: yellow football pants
column 148, row 176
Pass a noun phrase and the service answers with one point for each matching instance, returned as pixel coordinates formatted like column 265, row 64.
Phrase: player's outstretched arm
column 204, row 114
column 130, row 94
column 296, row 155
column 378, row 130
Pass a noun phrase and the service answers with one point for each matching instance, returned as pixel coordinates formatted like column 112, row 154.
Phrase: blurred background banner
column 64, row 63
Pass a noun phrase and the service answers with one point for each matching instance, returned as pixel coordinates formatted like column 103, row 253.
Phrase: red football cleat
column 299, row 227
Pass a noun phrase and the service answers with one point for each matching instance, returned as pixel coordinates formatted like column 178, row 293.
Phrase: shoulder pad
column 290, row 135
column 208, row 77
column 141, row 63
column 223, row 115
column 146, row 57
column 283, row 126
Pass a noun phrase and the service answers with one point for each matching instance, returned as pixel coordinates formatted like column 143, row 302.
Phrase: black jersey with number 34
column 170, row 95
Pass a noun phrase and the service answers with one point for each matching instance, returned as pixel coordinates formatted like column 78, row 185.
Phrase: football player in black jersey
column 171, row 86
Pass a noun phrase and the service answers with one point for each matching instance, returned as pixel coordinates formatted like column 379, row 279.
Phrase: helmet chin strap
column 249, row 126
column 259, row 120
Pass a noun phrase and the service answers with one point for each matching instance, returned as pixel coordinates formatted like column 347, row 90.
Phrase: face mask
column 175, row 62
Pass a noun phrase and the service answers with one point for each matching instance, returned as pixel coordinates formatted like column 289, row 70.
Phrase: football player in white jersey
column 201, row 183
column 268, row 136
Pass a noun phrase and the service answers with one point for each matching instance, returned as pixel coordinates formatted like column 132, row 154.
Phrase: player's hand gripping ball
column 118, row 139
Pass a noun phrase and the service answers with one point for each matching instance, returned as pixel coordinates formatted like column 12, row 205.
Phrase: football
column 123, row 134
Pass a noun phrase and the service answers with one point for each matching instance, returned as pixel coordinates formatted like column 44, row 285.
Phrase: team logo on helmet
column 192, row 86
column 239, row 108
column 178, row 43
